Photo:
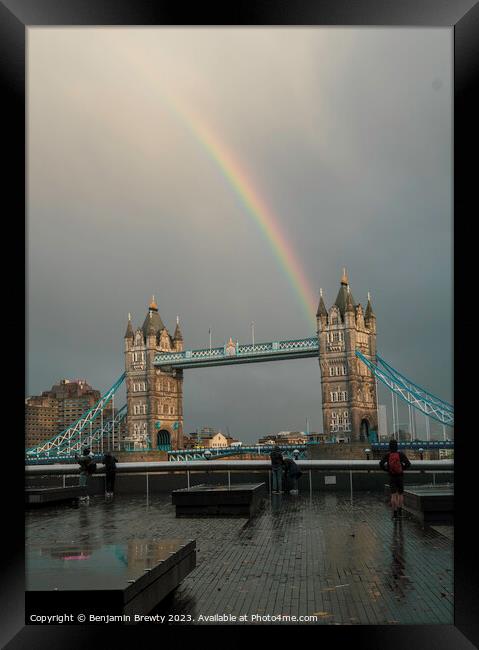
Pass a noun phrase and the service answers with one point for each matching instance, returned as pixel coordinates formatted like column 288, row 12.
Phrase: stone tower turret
column 348, row 387
column 154, row 397
column 178, row 336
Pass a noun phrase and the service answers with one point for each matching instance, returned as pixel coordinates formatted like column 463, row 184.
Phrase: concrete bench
column 35, row 497
column 241, row 500
column 117, row 579
column 431, row 505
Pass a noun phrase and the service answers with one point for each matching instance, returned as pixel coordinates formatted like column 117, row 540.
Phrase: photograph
column 239, row 368
column 204, row 202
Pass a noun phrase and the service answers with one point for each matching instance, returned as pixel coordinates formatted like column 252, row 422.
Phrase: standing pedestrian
column 395, row 462
column 109, row 462
column 277, row 469
column 292, row 474
column 87, row 467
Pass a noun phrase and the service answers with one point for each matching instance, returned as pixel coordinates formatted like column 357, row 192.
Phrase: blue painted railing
column 222, row 452
column 272, row 350
column 431, row 444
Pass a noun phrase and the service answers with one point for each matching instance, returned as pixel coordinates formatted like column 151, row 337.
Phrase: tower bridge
column 344, row 344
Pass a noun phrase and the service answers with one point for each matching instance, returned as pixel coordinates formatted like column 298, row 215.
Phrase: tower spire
column 349, row 302
column 344, row 279
column 322, row 311
column 150, row 329
column 129, row 329
column 152, row 320
column 369, row 309
column 177, row 336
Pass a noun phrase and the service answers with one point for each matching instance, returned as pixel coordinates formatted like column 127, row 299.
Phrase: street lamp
column 296, row 454
column 421, row 451
column 367, row 452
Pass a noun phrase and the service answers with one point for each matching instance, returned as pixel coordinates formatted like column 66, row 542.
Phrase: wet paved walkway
column 300, row 556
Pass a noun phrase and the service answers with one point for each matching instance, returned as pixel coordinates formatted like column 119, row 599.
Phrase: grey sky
column 347, row 136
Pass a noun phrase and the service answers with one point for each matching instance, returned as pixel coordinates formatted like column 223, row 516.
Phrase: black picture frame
column 462, row 16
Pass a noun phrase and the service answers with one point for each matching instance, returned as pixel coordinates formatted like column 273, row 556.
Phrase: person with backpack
column 109, row 461
column 277, row 469
column 395, row 462
column 292, row 474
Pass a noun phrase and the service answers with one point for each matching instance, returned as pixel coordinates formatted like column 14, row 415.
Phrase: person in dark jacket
column 292, row 474
column 395, row 462
column 84, row 461
column 109, row 461
column 277, row 469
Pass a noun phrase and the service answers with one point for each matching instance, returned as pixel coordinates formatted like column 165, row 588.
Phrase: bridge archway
column 364, row 430
column 163, row 439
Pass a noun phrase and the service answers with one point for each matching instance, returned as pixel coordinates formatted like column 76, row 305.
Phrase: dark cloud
column 347, row 136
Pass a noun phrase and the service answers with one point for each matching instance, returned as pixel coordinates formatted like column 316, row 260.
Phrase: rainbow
column 237, row 177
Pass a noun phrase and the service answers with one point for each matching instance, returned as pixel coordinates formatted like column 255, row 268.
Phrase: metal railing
column 187, row 468
column 162, row 467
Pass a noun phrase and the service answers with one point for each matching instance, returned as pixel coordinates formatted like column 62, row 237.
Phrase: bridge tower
column 348, row 386
column 154, row 397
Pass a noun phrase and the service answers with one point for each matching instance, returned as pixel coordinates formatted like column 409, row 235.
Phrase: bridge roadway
column 222, row 452
column 227, row 355
column 289, row 450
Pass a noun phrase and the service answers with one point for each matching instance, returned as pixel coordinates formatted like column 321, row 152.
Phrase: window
column 139, row 409
column 338, row 396
column 336, row 371
column 335, row 340
column 340, row 421
column 139, row 428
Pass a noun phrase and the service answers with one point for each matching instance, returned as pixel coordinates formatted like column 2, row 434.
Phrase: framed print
column 194, row 189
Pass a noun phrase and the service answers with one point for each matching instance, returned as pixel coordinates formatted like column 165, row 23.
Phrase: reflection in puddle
column 94, row 566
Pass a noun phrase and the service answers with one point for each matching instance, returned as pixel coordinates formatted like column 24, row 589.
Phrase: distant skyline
column 232, row 172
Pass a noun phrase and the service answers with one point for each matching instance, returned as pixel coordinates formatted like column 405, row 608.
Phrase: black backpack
column 91, row 469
